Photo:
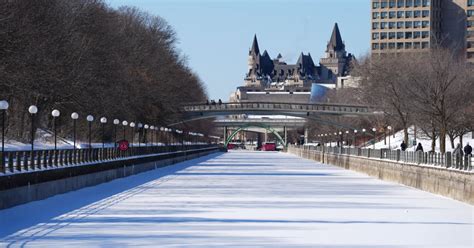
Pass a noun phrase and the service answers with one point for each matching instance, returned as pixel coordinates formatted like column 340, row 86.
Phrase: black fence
column 25, row 161
column 443, row 160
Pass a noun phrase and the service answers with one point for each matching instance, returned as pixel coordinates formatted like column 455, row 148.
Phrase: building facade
column 417, row 25
column 274, row 80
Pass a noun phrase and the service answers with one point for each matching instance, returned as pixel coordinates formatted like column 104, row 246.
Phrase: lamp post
column 341, row 138
column 55, row 113
column 116, row 122
column 103, row 121
column 389, row 132
column 146, row 126
column 152, row 128
column 355, row 137
column 363, row 134
column 375, row 134
column 90, row 119
column 74, row 117
column 132, row 125
column 140, row 130
column 347, row 137
column 124, row 124
column 33, row 110
column 3, row 108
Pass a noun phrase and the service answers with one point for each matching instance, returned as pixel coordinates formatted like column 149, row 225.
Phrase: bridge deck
column 242, row 198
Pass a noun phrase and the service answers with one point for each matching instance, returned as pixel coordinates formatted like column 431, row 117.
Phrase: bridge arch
column 232, row 135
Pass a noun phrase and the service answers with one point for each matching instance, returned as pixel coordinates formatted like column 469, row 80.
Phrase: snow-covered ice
column 242, row 198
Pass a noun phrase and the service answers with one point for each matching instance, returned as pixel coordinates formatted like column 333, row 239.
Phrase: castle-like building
column 270, row 79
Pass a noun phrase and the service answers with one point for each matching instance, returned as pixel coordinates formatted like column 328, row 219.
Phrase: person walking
column 220, row 102
column 458, row 155
column 419, row 147
column 403, row 146
column 468, row 150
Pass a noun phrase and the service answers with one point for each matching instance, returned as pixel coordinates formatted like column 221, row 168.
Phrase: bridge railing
column 446, row 160
column 319, row 107
column 26, row 161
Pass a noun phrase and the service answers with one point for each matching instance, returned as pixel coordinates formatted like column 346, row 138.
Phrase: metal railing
column 442, row 160
column 26, row 161
column 269, row 106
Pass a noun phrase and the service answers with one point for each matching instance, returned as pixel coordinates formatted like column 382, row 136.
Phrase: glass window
column 375, row 36
column 400, row 14
column 400, row 24
column 425, row 24
column 391, row 45
column 375, row 5
column 425, row 34
column 383, row 25
column 391, row 35
column 425, row 45
column 407, row 45
column 399, row 45
column 409, row 3
column 425, row 13
column 375, row 25
column 470, row 13
column 470, row 24
column 375, row 46
column 391, row 25
column 383, row 15
column 426, row 3
column 416, row 35
column 417, row 45
column 401, row 3
column 400, row 35
column 417, row 24
column 408, row 35
column 408, row 14
column 408, row 24
column 391, row 4
column 383, row 4
column 391, row 14
column 383, row 46
column 383, row 36
column 376, row 15
column 416, row 13
column 417, row 3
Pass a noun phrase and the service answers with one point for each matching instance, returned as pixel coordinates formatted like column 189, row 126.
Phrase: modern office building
column 417, row 25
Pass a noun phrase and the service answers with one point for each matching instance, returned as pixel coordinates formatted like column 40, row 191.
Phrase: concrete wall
column 31, row 191
column 458, row 185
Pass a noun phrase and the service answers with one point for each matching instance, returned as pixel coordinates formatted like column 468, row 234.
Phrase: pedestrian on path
column 468, row 150
column 458, row 154
column 403, row 146
column 419, row 147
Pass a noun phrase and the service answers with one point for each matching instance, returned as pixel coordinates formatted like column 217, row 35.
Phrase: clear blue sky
column 216, row 35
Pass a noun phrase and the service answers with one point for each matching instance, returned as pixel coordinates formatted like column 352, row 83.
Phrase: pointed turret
column 255, row 50
column 335, row 43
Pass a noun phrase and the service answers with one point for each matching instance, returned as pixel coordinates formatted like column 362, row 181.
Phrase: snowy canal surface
column 242, row 199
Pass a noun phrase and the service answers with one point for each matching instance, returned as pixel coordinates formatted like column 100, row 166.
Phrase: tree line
column 84, row 56
column 431, row 90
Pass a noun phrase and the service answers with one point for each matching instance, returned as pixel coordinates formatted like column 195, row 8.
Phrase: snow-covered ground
column 396, row 140
column 242, row 198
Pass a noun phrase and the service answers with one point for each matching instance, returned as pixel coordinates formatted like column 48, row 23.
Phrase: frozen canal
column 242, row 199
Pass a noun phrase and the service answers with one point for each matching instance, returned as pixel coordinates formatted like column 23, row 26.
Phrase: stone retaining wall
column 22, row 188
column 455, row 184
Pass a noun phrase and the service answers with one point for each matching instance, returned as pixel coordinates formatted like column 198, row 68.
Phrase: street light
column 3, row 108
column 146, row 126
column 124, row 124
column 132, row 125
column 103, row 121
column 140, row 130
column 152, row 135
column 74, row 117
column 55, row 113
column 374, row 130
column 33, row 110
column 90, row 119
column 116, row 122
column 355, row 136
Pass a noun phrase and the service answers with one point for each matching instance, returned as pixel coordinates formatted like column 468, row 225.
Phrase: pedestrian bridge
column 304, row 110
